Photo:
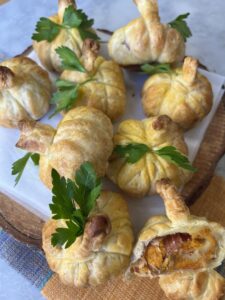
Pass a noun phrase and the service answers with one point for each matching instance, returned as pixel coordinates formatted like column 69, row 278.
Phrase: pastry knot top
column 146, row 40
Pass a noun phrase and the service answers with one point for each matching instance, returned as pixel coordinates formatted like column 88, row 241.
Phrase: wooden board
column 26, row 227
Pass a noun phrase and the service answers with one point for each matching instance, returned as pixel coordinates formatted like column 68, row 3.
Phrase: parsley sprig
column 48, row 30
column 19, row 165
column 155, row 68
column 181, row 25
column 67, row 95
column 69, row 60
column 73, row 202
column 134, row 152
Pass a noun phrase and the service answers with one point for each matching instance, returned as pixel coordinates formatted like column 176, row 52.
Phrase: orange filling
column 178, row 251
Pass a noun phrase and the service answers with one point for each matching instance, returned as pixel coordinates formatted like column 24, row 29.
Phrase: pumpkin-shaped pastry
column 205, row 285
column 94, row 243
column 99, row 82
column 84, row 134
column 25, row 91
column 69, row 28
column 146, row 40
column 144, row 152
column 182, row 247
column 184, row 94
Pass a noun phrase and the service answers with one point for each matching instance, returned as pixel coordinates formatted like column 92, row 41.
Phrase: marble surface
column 17, row 22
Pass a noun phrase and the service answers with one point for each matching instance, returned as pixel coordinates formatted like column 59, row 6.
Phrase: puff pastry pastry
column 102, row 252
column 25, row 91
column 139, row 179
column 107, row 91
column 84, row 134
column 184, row 95
column 205, row 285
column 67, row 37
column 180, row 242
column 145, row 39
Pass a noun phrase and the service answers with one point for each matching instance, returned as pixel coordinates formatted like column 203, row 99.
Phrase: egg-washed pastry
column 205, row 285
column 68, row 28
column 25, row 91
column 183, row 94
column 84, row 134
column 179, row 242
column 88, row 241
column 146, row 151
column 93, row 81
column 145, row 39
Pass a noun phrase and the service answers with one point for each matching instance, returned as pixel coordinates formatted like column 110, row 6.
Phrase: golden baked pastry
column 139, row 178
column 67, row 36
column 184, row 95
column 206, row 285
column 101, row 253
column 84, row 134
column 25, row 91
column 106, row 91
column 145, row 39
column 180, row 242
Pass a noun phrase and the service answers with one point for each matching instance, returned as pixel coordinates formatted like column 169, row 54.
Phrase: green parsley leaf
column 72, row 18
column 88, row 34
column 62, row 207
column 66, row 235
column 69, row 59
column 89, row 187
column 172, row 155
column 180, row 25
column 67, row 95
column 35, row 158
column 73, row 201
column 46, row 30
column 156, row 68
column 85, row 26
column 19, row 165
column 64, row 99
column 132, row 152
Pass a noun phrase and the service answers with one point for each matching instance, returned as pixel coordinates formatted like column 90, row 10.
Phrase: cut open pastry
column 25, row 91
column 176, row 243
column 69, row 37
column 106, row 91
column 138, row 179
column 102, row 252
column 184, row 95
column 145, row 39
column 84, row 134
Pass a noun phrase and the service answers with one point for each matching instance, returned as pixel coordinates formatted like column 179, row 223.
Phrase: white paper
column 32, row 194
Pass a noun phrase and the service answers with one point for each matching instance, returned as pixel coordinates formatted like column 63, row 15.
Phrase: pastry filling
column 178, row 251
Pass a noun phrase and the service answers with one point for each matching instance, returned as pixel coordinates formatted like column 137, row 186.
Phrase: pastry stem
column 7, row 78
column 176, row 209
column 35, row 137
column 149, row 10
column 190, row 68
